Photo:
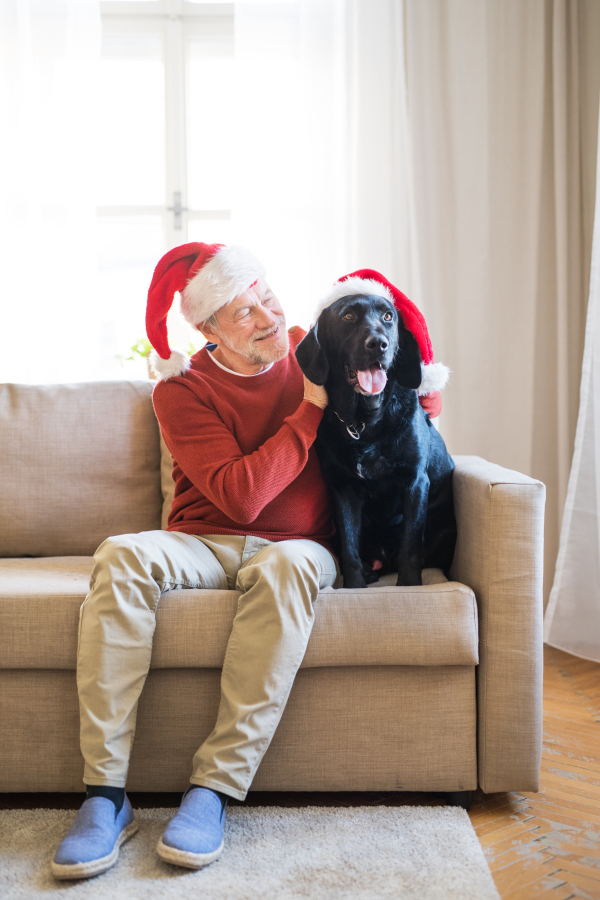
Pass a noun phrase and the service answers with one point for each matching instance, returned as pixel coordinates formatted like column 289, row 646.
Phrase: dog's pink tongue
column 372, row 380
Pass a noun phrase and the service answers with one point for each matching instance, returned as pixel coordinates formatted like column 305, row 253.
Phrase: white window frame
column 176, row 21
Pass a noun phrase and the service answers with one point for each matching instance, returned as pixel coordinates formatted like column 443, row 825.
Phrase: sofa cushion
column 79, row 462
column 434, row 624
column 167, row 485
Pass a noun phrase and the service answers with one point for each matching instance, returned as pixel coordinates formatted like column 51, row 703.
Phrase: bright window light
column 128, row 249
column 167, row 156
column 211, row 231
column 213, row 140
column 132, row 121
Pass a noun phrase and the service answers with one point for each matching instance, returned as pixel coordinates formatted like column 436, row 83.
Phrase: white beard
column 254, row 351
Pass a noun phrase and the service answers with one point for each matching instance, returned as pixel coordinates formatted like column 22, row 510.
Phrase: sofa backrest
column 78, row 462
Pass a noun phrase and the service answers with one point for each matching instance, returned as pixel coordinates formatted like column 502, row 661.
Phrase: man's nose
column 266, row 318
column 377, row 342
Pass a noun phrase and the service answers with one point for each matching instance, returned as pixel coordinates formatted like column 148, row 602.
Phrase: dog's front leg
column 348, row 514
column 410, row 551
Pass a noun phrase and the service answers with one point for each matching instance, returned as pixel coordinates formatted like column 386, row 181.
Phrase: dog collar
column 352, row 429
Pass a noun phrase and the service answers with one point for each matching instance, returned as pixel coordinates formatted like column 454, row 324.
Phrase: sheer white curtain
column 49, row 50
column 503, row 106
column 572, row 620
column 323, row 171
column 383, row 232
column 289, row 199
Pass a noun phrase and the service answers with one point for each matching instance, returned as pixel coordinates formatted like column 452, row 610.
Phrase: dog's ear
column 406, row 367
column 311, row 357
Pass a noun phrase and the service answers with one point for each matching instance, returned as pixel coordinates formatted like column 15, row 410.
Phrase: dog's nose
column 376, row 342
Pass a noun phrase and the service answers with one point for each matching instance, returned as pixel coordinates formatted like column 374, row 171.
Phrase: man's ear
column 406, row 368
column 206, row 331
column 311, row 357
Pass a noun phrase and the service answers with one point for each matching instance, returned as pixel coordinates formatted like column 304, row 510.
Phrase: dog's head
column 360, row 340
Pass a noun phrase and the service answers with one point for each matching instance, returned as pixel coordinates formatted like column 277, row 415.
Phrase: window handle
column 177, row 209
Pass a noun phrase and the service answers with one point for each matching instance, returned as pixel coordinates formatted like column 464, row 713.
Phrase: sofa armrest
column 499, row 555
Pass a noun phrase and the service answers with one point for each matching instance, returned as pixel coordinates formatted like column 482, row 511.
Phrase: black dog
column 386, row 465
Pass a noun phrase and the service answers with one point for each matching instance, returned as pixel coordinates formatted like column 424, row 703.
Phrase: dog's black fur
column 391, row 486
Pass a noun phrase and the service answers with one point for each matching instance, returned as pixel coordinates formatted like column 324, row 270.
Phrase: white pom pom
column 434, row 377
column 177, row 364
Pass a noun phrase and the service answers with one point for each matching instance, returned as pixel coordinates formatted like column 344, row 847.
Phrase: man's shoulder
column 186, row 383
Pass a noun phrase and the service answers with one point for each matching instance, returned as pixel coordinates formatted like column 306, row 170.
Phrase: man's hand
column 315, row 393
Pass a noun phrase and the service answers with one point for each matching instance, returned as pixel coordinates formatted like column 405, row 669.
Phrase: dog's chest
column 370, row 457
column 377, row 461
column 371, row 466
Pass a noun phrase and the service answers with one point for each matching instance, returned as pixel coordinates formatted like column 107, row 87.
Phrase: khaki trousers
column 279, row 583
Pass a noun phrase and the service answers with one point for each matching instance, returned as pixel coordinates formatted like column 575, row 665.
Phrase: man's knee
column 120, row 560
column 293, row 562
column 122, row 578
column 286, row 556
column 120, row 550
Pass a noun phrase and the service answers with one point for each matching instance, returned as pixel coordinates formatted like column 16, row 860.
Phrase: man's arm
column 240, row 486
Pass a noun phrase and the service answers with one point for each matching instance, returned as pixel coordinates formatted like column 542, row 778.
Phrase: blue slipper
column 194, row 836
column 93, row 841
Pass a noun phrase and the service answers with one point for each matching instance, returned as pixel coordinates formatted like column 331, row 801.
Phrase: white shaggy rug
column 271, row 853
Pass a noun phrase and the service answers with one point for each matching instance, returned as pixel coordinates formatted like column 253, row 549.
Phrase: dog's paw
column 354, row 578
column 369, row 574
column 408, row 577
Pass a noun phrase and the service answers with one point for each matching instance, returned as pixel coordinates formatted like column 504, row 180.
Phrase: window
column 167, row 139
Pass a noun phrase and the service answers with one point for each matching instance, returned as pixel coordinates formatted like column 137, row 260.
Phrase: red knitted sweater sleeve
column 431, row 403
column 210, row 456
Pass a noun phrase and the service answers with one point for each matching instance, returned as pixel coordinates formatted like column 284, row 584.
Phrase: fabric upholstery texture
column 499, row 553
column 345, row 728
column 433, row 625
column 167, row 485
column 81, row 462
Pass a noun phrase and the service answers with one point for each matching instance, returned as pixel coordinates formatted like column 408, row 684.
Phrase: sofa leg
column 459, row 798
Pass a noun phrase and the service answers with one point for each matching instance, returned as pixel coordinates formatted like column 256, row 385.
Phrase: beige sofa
column 435, row 688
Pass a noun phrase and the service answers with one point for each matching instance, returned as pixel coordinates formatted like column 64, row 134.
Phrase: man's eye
column 387, row 317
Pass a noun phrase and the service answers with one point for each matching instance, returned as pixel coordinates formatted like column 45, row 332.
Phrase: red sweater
column 245, row 460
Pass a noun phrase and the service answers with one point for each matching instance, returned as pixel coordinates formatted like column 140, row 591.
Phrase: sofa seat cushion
column 432, row 625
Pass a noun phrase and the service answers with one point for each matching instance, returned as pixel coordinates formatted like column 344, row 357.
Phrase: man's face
column 252, row 327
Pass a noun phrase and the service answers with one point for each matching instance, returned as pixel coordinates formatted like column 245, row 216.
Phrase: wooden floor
column 537, row 845
column 548, row 844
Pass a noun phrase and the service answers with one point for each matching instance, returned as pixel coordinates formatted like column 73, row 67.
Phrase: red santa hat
column 208, row 276
column 368, row 281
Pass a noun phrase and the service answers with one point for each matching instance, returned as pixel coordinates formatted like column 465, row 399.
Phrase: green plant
column 143, row 348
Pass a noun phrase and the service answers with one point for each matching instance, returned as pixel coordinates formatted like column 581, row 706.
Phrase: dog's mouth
column 367, row 381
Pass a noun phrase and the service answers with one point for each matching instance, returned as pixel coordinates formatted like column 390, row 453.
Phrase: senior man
column 250, row 513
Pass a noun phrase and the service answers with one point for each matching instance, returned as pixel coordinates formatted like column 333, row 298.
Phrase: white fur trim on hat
column 177, row 364
column 354, row 285
column 434, row 377
column 226, row 275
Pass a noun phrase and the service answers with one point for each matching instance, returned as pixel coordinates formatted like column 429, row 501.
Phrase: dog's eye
column 349, row 317
column 387, row 317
